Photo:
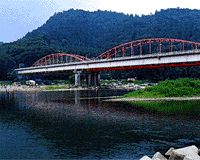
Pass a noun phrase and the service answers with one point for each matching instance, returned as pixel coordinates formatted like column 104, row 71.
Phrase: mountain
column 82, row 32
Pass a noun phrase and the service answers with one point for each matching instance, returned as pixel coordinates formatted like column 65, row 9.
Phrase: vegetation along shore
column 182, row 87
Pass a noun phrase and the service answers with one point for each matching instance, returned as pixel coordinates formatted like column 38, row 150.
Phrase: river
column 75, row 124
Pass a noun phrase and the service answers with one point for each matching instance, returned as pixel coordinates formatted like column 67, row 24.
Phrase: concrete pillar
column 98, row 79
column 93, row 79
column 88, row 79
column 77, row 78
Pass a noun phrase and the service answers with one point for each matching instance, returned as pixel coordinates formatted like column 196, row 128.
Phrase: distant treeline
column 92, row 33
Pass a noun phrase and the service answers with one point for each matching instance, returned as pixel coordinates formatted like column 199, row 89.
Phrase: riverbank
column 156, row 99
column 182, row 87
column 167, row 105
column 41, row 88
column 180, row 96
column 52, row 88
column 11, row 88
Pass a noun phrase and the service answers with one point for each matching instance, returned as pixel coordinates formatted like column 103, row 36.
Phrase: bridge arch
column 121, row 49
column 59, row 58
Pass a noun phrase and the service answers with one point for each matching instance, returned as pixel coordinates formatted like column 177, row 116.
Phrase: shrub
column 172, row 88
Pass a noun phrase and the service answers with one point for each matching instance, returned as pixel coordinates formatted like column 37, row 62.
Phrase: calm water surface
column 72, row 124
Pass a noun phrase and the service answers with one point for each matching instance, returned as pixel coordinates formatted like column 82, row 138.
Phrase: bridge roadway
column 141, row 60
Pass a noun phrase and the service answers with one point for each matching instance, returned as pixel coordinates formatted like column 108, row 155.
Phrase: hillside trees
column 7, row 63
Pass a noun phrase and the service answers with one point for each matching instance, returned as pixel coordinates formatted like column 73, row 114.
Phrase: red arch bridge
column 144, row 53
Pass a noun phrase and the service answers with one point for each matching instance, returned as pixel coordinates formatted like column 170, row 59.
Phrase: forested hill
column 82, row 32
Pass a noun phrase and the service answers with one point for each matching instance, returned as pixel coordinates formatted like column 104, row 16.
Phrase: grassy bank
column 169, row 107
column 183, row 87
column 50, row 87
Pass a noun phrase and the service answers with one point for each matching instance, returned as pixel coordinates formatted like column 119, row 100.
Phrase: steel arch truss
column 59, row 58
column 121, row 50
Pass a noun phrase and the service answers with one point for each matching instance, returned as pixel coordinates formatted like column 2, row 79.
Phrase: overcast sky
column 17, row 17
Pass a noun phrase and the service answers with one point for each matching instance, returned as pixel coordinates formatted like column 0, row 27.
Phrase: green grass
column 182, row 87
column 56, row 87
column 139, row 82
column 142, row 94
column 169, row 107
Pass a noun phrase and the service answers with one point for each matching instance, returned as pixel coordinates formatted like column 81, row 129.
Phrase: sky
column 18, row 17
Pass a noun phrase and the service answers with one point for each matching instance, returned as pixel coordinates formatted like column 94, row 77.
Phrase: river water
column 74, row 124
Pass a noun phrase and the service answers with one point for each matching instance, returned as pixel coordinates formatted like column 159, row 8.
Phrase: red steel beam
column 147, row 66
column 44, row 60
column 144, row 41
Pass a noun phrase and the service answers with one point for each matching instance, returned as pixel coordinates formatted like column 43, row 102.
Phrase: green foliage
column 72, row 78
column 23, row 82
column 182, row 87
column 113, row 81
column 56, row 87
column 61, row 82
column 169, row 107
column 142, row 94
column 67, row 82
column 139, row 82
column 7, row 82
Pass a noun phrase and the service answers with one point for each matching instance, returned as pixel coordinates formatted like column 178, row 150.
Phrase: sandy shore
column 70, row 89
column 41, row 88
column 17, row 88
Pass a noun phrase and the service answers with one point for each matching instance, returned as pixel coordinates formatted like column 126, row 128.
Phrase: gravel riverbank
column 11, row 88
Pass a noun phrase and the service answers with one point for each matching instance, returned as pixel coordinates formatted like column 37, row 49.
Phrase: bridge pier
column 77, row 78
column 93, row 79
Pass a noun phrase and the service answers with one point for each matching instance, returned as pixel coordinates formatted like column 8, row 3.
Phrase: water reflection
column 78, row 125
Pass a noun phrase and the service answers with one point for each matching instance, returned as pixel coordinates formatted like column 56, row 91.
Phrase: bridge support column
column 77, row 78
column 93, row 79
column 98, row 83
column 88, row 79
